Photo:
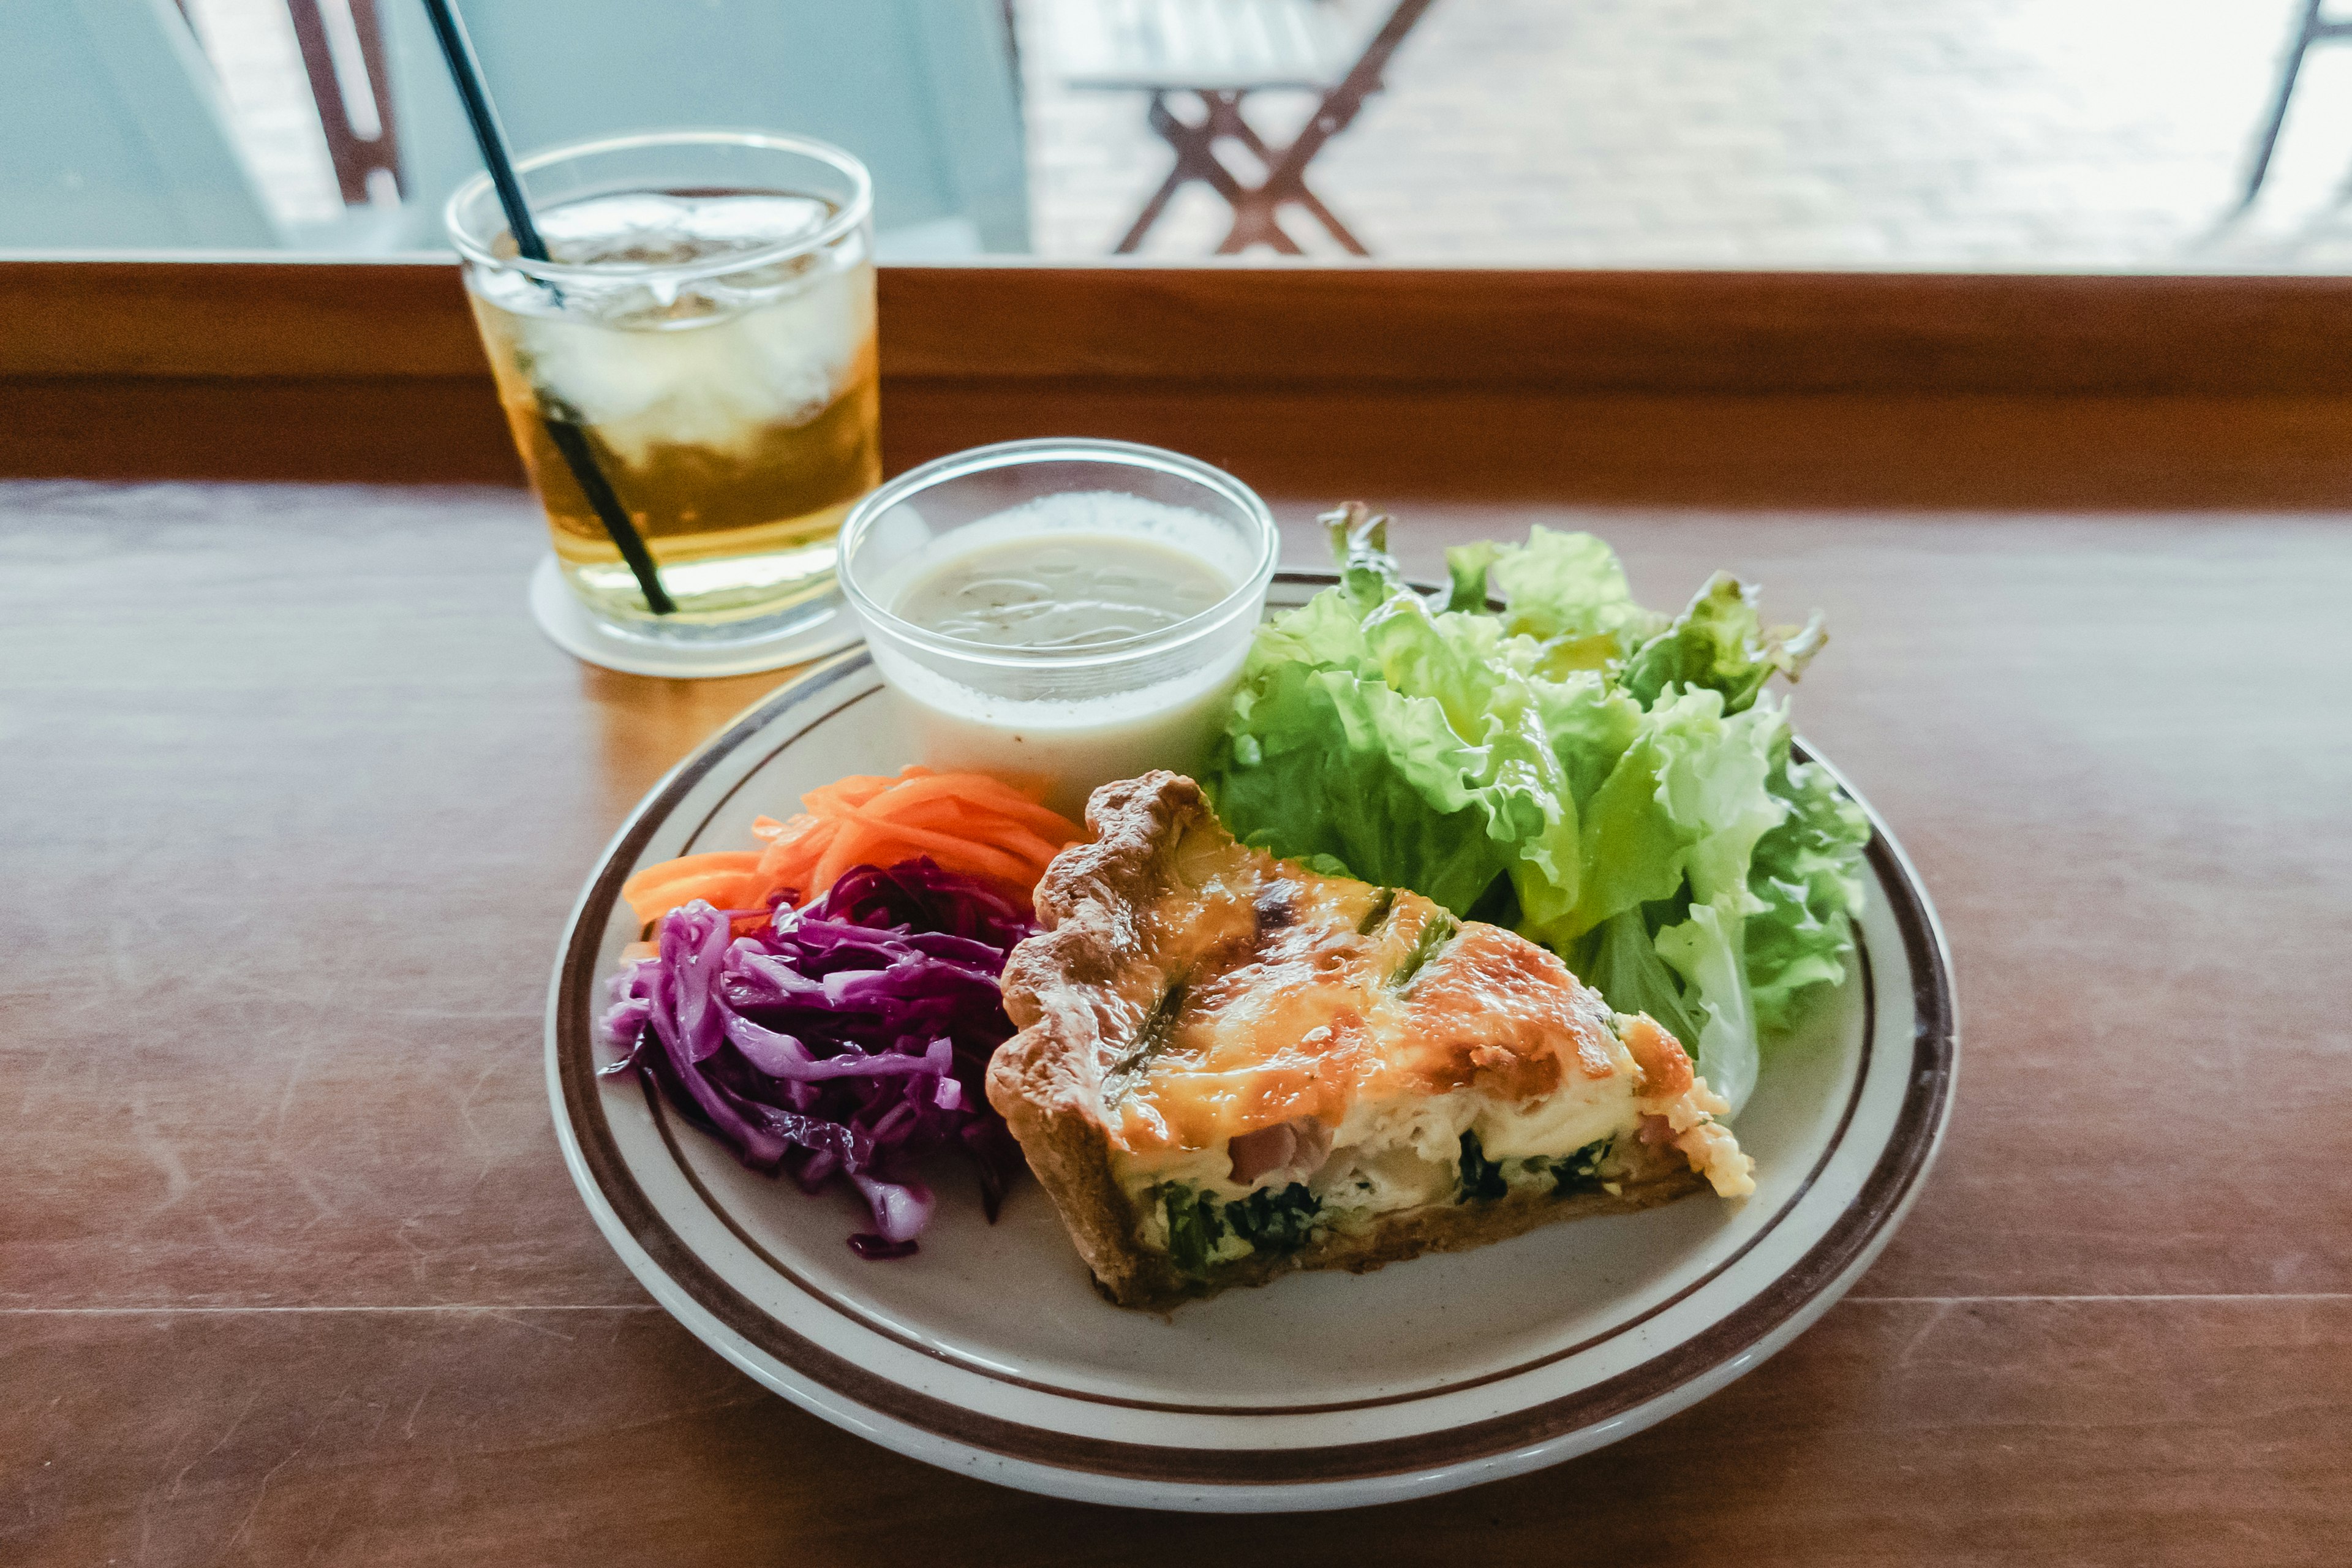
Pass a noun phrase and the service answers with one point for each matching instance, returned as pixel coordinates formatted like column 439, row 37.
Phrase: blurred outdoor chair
column 342, row 55
column 116, row 134
column 923, row 90
column 1221, row 51
column 2313, row 29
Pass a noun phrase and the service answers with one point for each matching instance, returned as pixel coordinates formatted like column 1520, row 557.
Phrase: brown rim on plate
column 1927, row 1100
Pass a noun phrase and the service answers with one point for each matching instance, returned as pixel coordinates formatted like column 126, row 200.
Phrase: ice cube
column 638, row 227
column 713, row 382
column 650, row 228
column 752, row 222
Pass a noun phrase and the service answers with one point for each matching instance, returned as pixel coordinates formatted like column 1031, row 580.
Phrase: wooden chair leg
column 1196, row 159
column 1133, row 239
column 1230, row 121
column 1285, row 176
column 356, row 157
column 1256, row 219
column 1257, row 208
column 1324, row 215
column 1177, row 134
column 2262, row 165
column 1256, row 222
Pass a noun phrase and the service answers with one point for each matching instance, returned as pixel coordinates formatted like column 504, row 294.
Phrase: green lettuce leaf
column 1684, row 803
column 1620, row 959
column 1588, row 722
column 1721, row 643
column 1615, row 784
column 1467, row 565
column 1806, row 881
column 1708, row 952
column 1565, row 591
column 1396, row 740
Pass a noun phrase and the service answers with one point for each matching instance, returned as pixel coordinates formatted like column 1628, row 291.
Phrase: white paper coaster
column 570, row 626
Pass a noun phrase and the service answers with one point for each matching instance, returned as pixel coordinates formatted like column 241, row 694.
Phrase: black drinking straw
column 569, row 439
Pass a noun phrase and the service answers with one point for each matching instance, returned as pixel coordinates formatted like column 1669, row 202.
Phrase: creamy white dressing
column 1062, row 591
column 1059, row 575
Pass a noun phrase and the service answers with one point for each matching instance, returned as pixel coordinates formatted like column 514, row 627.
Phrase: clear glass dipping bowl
column 1065, row 718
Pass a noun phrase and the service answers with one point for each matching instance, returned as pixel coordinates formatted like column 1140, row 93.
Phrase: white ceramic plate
column 989, row 1350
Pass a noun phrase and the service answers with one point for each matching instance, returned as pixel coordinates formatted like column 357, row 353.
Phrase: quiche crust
column 1127, row 925
column 1047, row 1080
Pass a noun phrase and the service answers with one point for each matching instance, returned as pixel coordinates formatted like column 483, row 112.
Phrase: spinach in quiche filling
column 1204, row 1229
column 1481, row 1178
column 1579, row 1171
column 1485, row 1180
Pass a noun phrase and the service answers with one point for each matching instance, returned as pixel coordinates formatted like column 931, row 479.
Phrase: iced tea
column 716, row 347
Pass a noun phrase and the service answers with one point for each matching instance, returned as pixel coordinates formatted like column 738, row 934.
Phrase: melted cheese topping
column 1272, row 995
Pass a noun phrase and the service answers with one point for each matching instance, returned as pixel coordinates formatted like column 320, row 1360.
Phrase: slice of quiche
column 1229, row 1067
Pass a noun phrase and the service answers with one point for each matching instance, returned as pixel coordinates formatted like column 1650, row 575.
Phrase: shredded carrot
column 968, row 819
column 945, row 815
column 941, row 846
column 969, row 822
column 718, row 877
column 839, row 857
column 725, row 891
column 635, row 890
column 797, row 842
column 967, row 792
column 855, row 790
column 1021, row 841
column 694, row 865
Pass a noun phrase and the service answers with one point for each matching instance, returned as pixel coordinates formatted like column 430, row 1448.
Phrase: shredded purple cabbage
column 841, row 1040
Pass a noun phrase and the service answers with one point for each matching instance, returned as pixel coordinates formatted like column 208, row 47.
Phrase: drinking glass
column 706, row 320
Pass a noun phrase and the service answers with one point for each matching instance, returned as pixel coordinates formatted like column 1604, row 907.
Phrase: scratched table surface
column 293, row 800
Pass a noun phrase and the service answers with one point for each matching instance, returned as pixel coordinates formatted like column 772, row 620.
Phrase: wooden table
column 293, row 799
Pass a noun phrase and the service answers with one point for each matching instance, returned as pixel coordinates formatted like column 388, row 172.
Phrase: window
column 2001, row 134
